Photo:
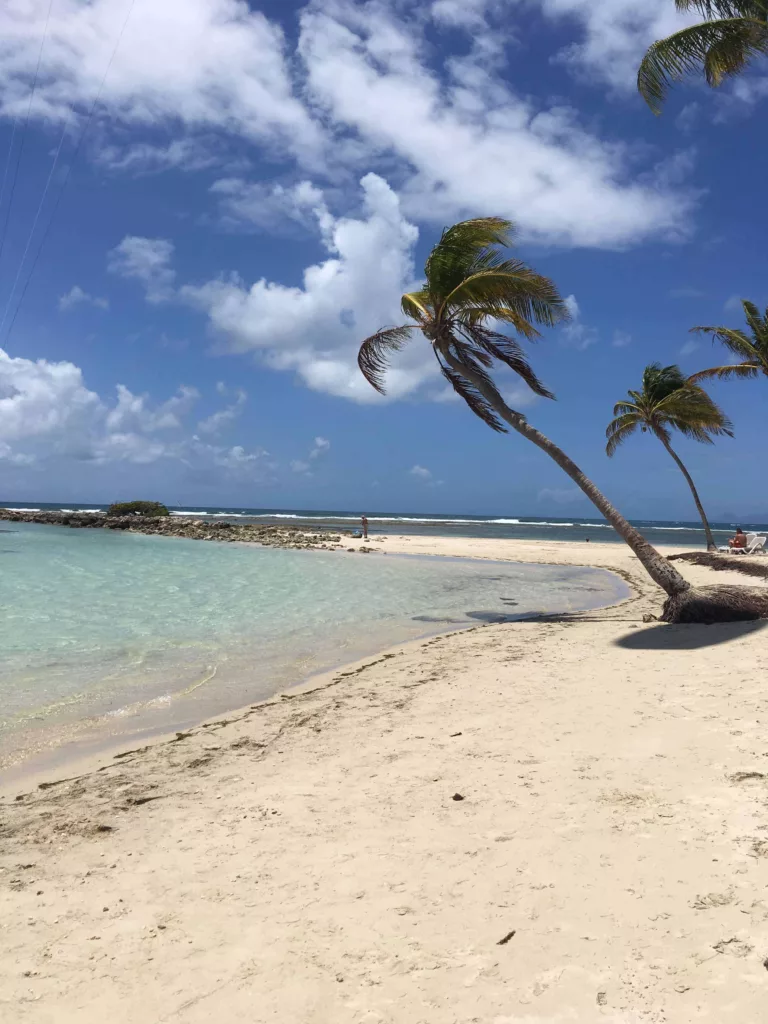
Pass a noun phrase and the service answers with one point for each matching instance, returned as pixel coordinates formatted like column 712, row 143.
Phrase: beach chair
column 751, row 538
column 756, row 546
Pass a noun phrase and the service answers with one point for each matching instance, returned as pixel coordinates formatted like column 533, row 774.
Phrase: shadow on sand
column 687, row 638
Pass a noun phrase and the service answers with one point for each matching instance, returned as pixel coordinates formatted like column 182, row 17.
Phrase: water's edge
column 100, row 751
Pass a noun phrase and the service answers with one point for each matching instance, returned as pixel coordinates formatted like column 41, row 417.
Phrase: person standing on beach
column 364, row 521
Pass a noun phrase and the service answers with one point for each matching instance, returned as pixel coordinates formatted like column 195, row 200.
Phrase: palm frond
column 375, row 350
column 489, row 311
column 459, row 248
column 464, row 387
column 618, row 430
column 626, row 409
column 741, row 371
column 415, row 305
column 758, row 324
column 734, row 340
column 508, row 351
column 721, row 47
column 659, row 382
column 513, row 286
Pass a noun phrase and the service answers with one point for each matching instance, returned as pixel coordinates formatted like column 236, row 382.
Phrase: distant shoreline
column 543, row 528
column 180, row 526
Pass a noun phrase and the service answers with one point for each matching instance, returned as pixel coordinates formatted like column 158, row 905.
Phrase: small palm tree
column 751, row 349
column 668, row 401
column 733, row 34
column 472, row 288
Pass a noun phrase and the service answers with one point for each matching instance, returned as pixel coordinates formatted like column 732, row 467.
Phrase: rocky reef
column 184, row 526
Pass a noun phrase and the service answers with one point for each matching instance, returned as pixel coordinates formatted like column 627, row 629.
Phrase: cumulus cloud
column 48, row 416
column 315, row 330
column 146, row 260
column 621, row 339
column 420, row 472
column 77, row 297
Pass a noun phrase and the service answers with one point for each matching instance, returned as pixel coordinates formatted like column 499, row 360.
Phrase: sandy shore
column 529, row 823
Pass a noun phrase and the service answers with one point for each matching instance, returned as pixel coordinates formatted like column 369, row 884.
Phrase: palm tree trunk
column 657, row 567
column 711, row 546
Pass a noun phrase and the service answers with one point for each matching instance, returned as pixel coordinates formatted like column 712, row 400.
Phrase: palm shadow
column 687, row 637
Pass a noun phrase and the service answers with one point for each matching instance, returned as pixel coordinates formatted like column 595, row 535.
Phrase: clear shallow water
column 681, row 533
column 152, row 633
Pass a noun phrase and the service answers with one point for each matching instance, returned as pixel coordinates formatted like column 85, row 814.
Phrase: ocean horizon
column 685, row 533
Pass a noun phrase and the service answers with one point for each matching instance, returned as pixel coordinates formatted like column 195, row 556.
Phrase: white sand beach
column 526, row 823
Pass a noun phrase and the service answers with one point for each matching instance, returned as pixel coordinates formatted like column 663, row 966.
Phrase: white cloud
column 77, row 297
column 576, row 334
column 299, row 466
column 148, row 158
column 201, row 76
column 267, row 206
column 459, row 132
column 615, row 34
column 621, row 339
column 461, row 13
column 223, row 417
column 146, row 260
column 205, row 64
column 573, row 307
column 421, row 472
column 686, row 293
column 50, row 418
column 689, row 347
column 733, row 304
column 322, row 445
column 134, row 412
column 316, row 330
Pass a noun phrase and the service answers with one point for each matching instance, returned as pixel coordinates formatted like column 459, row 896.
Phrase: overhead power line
column 67, row 175
column 4, row 232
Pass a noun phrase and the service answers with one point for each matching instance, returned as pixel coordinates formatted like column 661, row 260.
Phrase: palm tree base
column 708, row 605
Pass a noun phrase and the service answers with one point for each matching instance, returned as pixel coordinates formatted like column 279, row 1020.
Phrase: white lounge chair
column 755, row 545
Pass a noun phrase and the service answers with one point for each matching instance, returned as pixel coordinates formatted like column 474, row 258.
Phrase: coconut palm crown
column 750, row 349
column 732, row 35
column 668, row 401
column 470, row 283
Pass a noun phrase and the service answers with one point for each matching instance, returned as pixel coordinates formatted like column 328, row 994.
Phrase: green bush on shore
column 138, row 508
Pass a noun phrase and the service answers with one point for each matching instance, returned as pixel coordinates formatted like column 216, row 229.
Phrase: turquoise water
column 150, row 633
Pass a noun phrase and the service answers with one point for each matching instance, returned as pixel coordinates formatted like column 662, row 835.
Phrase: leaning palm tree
column 668, row 401
column 472, row 289
column 751, row 349
column 733, row 34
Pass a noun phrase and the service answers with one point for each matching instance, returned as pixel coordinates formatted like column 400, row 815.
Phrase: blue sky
column 258, row 185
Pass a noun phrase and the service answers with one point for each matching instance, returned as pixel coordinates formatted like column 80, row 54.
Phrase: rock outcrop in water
column 182, row 526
